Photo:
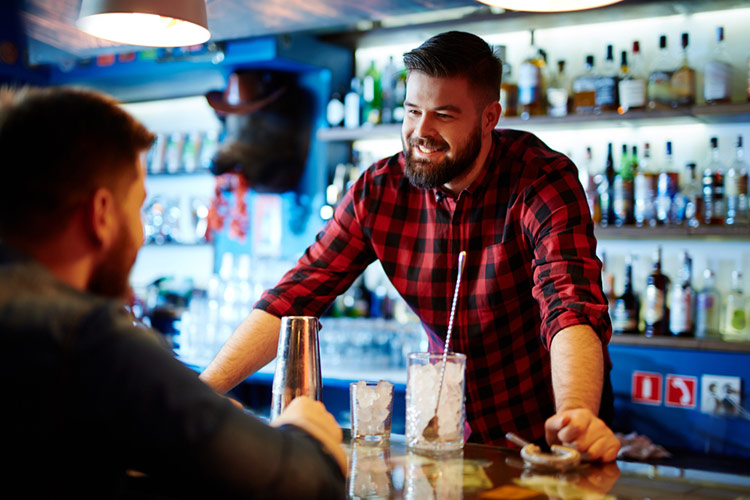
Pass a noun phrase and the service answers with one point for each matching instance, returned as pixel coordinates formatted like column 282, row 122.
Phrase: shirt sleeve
column 566, row 270
column 163, row 421
column 329, row 266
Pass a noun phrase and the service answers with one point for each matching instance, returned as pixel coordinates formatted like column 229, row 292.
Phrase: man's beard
column 111, row 276
column 427, row 175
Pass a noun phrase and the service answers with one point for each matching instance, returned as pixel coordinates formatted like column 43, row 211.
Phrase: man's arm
column 252, row 346
column 577, row 378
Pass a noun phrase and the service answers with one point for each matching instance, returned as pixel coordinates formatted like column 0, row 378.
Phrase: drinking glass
column 371, row 410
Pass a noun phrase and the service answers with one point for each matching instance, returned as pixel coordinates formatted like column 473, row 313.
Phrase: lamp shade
column 548, row 5
column 153, row 23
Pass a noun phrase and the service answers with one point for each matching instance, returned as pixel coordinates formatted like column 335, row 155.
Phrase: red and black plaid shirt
column 531, row 270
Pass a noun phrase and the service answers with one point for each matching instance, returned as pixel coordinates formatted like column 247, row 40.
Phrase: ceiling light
column 152, row 23
column 548, row 5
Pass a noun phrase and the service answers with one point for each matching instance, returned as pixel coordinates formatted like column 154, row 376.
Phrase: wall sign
column 681, row 391
column 646, row 388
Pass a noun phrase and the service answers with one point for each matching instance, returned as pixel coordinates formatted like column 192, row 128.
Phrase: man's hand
column 583, row 430
column 313, row 417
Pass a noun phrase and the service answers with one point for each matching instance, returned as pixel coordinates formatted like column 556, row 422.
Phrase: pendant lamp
column 548, row 5
column 152, row 23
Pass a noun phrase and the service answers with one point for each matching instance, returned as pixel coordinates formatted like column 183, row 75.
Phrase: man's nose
column 424, row 127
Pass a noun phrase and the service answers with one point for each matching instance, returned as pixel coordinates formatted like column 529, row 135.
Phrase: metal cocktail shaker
column 297, row 362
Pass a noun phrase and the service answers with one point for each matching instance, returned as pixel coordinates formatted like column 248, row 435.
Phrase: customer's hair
column 57, row 147
column 459, row 54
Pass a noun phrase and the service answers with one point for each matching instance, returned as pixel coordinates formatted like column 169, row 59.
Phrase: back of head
column 58, row 145
column 459, row 54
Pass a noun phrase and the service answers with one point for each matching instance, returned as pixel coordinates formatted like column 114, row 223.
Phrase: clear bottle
column 682, row 301
column 660, row 94
column 353, row 104
column 656, row 314
column 531, row 82
column 666, row 188
column 584, row 89
column 707, row 307
column 606, row 84
column 644, row 191
column 683, row 79
column 735, row 313
column 389, row 79
column 717, row 83
column 713, row 187
column 558, row 92
column 508, row 89
column 632, row 85
column 626, row 310
column 691, row 192
column 607, row 190
column 735, row 188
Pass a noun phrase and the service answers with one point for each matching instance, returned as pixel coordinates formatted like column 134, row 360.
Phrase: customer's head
column 459, row 54
column 73, row 154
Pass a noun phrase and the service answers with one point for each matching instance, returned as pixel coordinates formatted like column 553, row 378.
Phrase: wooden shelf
column 718, row 113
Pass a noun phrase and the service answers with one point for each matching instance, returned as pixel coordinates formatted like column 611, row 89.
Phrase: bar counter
column 487, row 472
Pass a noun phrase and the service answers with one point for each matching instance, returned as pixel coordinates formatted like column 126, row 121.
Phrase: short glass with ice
column 422, row 389
column 371, row 411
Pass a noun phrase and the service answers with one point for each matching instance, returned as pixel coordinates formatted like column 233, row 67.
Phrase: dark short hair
column 58, row 145
column 459, row 54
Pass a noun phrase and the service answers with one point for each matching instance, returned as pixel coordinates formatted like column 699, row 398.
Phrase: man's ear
column 491, row 116
column 102, row 219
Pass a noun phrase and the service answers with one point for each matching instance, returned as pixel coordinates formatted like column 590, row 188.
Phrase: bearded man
column 533, row 320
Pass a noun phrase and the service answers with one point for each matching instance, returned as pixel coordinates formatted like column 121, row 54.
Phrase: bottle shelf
column 680, row 343
column 673, row 232
column 705, row 113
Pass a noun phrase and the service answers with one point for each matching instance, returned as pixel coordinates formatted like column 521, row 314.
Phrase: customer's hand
column 581, row 429
column 313, row 417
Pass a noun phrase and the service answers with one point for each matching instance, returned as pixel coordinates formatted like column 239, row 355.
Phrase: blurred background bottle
column 584, row 89
column 735, row 313
column 735, row 188
column 531, row 95
column 707, row 307
column 606, row 84
column 656, row 314
column 717, row 83
column 660, row 94
column 681, row 300
column 713, row 187
column 508, row 89
column 644, row 191
column 607, row 190
column 683, row 79
column 558, row 92
column 626, row 310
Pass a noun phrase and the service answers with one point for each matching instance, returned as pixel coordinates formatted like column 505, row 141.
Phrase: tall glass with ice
column 422, row 386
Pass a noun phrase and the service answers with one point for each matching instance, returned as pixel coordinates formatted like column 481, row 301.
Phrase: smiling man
column 532, row 319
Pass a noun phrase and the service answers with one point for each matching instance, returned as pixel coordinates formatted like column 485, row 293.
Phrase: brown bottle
column 625, row 317
column 656, row 314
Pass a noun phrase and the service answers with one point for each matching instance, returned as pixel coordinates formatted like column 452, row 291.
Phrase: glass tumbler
column 371, row 411
column 422, row 389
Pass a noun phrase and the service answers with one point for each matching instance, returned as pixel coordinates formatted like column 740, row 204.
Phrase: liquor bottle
column 531, row 82
column 388, row 84
column 717, row 86
column 606, row 84
column 681, row 301
column 656, row 314
column 623, row 192
column 735, row 188
column 683, row 79
column 735, row 314
column 592, row 188
column 644, row 191
column 666, row 187
column 713, row 187
column 508, row 89
column 353, row 105
column 632, row 85
column 660, row 94
column 625, row 317
column 584, row 89
column 691, row 192
column 372, row 94
column 707, row 307
column 607, row 190
column 558, row 92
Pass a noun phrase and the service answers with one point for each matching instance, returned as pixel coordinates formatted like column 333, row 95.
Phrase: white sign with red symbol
column 682, row 391
column 646, row 388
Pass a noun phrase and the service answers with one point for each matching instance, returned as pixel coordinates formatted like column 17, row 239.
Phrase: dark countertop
column 486, row 472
